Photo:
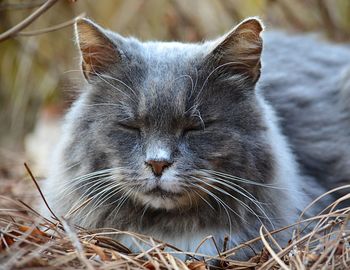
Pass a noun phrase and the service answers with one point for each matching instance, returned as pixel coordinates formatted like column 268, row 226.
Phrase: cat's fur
column 203, row 109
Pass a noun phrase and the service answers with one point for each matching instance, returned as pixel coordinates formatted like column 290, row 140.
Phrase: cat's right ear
column 98, row 51
column 239, row 51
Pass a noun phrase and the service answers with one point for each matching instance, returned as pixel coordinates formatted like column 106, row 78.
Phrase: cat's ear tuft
column 240, row 50
column 97, row 50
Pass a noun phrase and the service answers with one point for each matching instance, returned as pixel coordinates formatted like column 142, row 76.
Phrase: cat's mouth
column 160, row 198
column 160, row 192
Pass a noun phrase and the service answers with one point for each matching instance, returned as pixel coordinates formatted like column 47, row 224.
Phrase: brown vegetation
column 28, row 240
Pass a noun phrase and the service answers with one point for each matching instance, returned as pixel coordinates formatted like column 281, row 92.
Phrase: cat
column 180, row 141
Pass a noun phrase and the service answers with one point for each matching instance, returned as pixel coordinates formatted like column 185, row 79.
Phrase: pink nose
column 158, row 166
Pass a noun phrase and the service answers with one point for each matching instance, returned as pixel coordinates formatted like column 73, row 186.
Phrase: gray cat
column 181, row 141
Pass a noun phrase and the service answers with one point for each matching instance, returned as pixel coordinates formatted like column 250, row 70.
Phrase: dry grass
column 27, row 240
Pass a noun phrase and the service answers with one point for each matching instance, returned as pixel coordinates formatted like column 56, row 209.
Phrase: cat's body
column 307, row 81
column 237, row 134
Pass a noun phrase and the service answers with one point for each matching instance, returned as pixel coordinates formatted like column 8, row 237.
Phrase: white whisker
column 222, row 203
column 239, row 201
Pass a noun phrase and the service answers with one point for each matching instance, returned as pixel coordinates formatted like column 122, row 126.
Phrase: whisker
column 242, row 180
column 241, row 189
column 126, row 195
column 114, row 87
column 189, row 197
column 222, row 203
column 120, row 105
column 249, row 196
column 74, row 186
column 224, row 192
column 105, row 197
column 120, row 81
column 147, row 205
column 211, row 73
column 206, row 201
column 236, row 188
column 239, row 201
column 87, row 193
column 195, row 84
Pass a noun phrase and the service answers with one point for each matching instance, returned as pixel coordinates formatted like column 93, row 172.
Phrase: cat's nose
column 158, row 166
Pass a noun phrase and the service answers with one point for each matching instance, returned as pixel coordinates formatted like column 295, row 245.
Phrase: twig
column 291, row 16
column 270, row 250
column 17, row 6
column 38, row 188
column 327, row 20
column 210, row 237
column 27, row 21
column 73, row 237
column 52, row 28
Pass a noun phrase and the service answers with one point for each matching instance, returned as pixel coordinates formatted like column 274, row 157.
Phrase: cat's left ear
column 240, row 50
column 98, row 51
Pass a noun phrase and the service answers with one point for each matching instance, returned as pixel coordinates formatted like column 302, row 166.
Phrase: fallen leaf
column 99, row 251
column 6, row 241
column 34, row 232
column 197, row 266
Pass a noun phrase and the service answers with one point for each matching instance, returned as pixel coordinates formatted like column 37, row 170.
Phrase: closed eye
column 199, row 126
column 129, row 127
column 193, row 128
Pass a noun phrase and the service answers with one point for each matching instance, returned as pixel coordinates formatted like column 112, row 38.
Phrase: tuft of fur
column 240, row 151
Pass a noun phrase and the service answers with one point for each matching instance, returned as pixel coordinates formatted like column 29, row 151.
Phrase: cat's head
column 170, row 117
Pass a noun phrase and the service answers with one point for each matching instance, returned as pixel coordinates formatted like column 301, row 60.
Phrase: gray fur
column 204, row 120
column 310, row 92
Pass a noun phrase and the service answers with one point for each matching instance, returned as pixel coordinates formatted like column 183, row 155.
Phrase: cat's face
column 168, row 116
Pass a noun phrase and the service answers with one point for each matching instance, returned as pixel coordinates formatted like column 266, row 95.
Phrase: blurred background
column 40, row 77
